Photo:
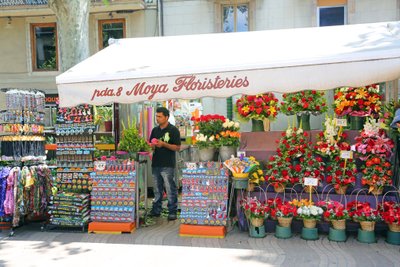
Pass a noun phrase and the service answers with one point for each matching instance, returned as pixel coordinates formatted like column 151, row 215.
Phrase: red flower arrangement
column 390, row 212
column 253, row 208
column 308, row 101
column 209, row 125
column 361, row 101
column 311, row 167
column 279, row 208
column 341, row 172
column 364, row 212
column 258, row 107
column 336, row 211
column 293, row 143
column 280, row 171
column 377, row 173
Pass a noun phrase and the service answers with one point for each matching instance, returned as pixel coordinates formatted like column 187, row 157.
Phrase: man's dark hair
column 163, row 110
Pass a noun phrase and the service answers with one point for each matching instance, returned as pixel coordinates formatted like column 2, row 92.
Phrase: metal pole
column 137, row 200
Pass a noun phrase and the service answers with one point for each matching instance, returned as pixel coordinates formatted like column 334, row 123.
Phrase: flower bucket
column 394, row 227
column 356, row 123
column 310, row 223
column 367, row 226
column 279, row 188
column 257, row 125
column 108, row 126
column 257, row 232
column 257, row 222
column 341, row 190
column 285, row 222
column 206, row 154
column 304, row 120
column 377, row 191
column 225, row 152
column 339, row 224
column 240, row 183
column 240, row 175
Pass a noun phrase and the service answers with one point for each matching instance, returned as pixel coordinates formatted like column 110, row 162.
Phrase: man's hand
column 160, row 144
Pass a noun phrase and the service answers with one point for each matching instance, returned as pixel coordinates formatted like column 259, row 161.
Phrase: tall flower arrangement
column 308, row 102
column 357, row 101
column 293, row 143
column 209, row 126
column 258, row 107
column 377, row 173
column 341, row 172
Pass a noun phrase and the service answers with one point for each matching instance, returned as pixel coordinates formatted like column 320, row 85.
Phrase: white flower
column 211, row 138
column 299, row 131
column 201, row 138
column 237, row 125
column 225, row 124
column 231, row 124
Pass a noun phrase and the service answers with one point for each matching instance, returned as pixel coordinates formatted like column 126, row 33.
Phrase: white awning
column 226, row 64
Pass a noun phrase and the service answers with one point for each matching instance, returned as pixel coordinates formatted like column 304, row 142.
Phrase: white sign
column 310, row 181
column 240, row 153
column 344, row 154
column 341, row 122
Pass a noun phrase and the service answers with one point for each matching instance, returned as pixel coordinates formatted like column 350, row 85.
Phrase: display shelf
column 202, row 231
column 50, row 146
column 111, row 228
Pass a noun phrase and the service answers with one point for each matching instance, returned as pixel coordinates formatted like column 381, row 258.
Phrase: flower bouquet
column 229, row 134
column 285, row 212
column 256, row 176
column 341, row 173
column 209, row 125
column 255, row 211
column 311, row 167
column 279, row 173
column 257, row 107
column 373, row 142
column 203, row 141
column 293, row 143
column 360, row 101
column 390, row 213
column 304, row 102
column 377, row 174
column 272, row 204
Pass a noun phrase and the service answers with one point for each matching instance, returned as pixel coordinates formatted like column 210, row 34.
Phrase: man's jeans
column 161, row 176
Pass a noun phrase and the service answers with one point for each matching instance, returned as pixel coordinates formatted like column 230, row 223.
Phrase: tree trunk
column 72, row 31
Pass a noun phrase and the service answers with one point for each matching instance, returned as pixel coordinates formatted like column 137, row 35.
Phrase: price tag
column 240, row 153
column 310, row 181
column 344, row 154
column 341, row 122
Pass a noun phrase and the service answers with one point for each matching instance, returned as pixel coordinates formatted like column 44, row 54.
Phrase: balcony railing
column 22, row 2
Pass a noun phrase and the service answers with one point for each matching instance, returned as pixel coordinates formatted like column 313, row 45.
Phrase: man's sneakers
column 172, row 217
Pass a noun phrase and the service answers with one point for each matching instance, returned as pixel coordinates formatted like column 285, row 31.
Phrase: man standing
column 165, row 140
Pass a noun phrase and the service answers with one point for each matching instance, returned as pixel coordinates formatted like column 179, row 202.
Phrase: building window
column 330, row 16
column 235, row 18
column 44, row 47
column 110, row 28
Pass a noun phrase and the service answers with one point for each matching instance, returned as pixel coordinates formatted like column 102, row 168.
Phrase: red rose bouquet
column 209, row 125
column 341, row 172
column 365, row 213
column 293, row 143
column 336, row 211
column 311, row 167
column 258, row 107
column 361, row 101
column 308, row 101
column 286, row 210
column 279, row 171
column 253, row 208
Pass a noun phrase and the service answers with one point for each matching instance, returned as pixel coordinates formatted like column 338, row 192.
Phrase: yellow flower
column 373, row 99
column 260, row 172
column 272, row 109
column 361, row 93
column 246, row 109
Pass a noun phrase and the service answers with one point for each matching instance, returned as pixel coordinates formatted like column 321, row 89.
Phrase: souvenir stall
column 25, row 179
column 326, row 57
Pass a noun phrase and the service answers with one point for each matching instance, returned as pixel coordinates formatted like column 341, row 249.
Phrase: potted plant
column 131, row 141
column 206, row 146
column 337, row 214
column 257, row 108
column 285, row 213
column 104, row 114
column 303, row 104
column 341, row 174
column 255, row 211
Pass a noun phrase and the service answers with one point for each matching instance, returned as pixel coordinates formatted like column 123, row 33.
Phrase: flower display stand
column 257, row 232
column 393, row 238
column 309, row 233
column 366, row 236
column 283, row 232
column 337, row 235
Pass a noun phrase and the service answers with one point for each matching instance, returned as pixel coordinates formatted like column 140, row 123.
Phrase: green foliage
column 102, row 114
column 131, row 141
column 107, row 139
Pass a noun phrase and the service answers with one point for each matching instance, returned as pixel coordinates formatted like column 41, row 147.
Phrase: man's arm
column 172, row 147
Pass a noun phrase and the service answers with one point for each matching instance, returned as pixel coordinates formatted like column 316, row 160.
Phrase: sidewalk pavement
column 160, row 245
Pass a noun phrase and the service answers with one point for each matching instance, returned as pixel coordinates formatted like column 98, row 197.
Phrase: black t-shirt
column 163, row 157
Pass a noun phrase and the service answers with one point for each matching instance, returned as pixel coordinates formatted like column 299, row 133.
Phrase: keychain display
column 204, row 194
column 26, row 100
column 69, row 209
column 113, row 193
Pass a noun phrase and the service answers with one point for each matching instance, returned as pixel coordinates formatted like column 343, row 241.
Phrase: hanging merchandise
column 70, row 203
